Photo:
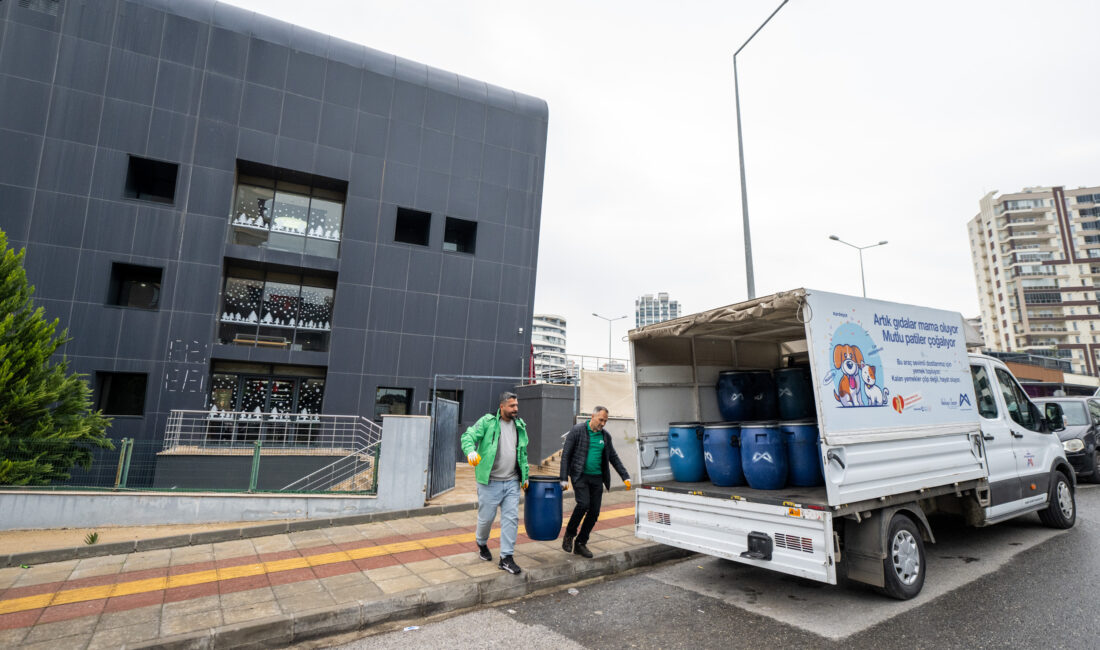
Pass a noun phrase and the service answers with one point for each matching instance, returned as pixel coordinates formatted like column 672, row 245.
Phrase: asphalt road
column 1016, row 585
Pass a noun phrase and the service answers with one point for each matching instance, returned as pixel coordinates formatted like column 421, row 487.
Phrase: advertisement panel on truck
column 883, row 367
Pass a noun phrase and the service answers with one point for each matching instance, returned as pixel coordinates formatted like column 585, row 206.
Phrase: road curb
column 229, row 534
column 422, row 602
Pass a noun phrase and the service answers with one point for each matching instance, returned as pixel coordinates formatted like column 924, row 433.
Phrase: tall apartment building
column 1036, row 257
column 235, row 214
column 649, row 309
column 548, row 344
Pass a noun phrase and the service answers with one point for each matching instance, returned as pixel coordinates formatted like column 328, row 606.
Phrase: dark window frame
column 413, row 227
column 460, row 236
column 151, row 180
column 107, row 402
column 392, row 390
column 120, row 294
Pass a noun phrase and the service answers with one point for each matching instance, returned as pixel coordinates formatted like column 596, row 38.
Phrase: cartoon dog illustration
column 848, row 359
column 876, row 396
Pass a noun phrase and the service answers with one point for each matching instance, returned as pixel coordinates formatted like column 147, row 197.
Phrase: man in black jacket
column 588, row 450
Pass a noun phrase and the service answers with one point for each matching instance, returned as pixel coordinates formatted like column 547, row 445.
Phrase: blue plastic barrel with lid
column 763, row 455
column 542, row 508
column 795, row 393
column 762, row 395
column 733, row 388
column 722, row 453
column 685, row 451
column 803, row 453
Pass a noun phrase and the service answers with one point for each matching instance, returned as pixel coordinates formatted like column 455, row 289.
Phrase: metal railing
column 237, row 429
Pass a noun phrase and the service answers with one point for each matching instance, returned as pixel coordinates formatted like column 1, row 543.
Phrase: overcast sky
column 867, row 120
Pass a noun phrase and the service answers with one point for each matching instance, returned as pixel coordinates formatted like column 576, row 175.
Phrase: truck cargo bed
column 813, row 498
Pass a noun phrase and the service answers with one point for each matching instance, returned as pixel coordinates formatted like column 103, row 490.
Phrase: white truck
column 953, row 433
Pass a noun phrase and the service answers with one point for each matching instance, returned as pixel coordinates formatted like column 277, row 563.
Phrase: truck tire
column 904, row 566
column 1062, row 511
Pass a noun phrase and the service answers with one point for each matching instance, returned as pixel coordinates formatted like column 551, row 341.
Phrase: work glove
column 524, row 486
column 565, row 485
column 627, row 484
column 474, row 458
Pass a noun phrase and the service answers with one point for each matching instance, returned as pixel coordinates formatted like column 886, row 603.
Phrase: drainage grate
column 659, row 518
column 794, row 543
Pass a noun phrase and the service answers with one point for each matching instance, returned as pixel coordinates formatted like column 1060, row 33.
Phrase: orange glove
column 524, row 486
column 474, row 458
column 627, row 484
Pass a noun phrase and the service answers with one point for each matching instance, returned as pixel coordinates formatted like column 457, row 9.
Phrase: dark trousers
column 588, row 492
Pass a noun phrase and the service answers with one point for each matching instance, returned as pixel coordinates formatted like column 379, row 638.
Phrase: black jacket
column 575, row 454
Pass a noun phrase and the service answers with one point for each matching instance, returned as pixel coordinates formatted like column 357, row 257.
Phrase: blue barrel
column 734, row 387
column 795, row 393
column 542, row 508
column 763, row 455
column 762, row 396
column 722, row 453
column 803, row 453
column 685, row 451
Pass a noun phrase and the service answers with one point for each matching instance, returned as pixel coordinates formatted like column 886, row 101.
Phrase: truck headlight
column 1073, row 445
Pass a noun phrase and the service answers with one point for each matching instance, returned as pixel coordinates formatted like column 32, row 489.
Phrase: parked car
column 1081, row 437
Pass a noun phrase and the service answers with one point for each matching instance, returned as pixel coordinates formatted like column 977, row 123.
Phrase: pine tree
column 47, row 425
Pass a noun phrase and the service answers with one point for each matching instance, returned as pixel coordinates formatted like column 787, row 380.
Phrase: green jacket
column 482, row 437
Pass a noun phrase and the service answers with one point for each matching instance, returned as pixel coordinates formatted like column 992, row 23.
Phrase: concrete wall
column 401, row 475
column 548, row 411
column 221, row 472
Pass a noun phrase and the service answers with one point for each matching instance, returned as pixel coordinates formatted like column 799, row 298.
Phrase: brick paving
column 147, row 597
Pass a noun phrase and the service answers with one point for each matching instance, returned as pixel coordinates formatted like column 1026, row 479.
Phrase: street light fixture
column 741, row 158
column 860, row 249
column 609, row 321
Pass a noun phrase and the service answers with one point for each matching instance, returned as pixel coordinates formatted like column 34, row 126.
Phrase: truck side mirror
column 1056, row 419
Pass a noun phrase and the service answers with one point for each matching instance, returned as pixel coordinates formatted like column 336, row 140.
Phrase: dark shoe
column 484, row 553
column 567, row 543
column 582, row 550
column 509, row 565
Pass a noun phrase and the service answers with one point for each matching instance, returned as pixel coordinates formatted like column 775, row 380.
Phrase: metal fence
column 223, row 452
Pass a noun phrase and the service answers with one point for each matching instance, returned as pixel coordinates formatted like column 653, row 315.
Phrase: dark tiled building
column 232, row 212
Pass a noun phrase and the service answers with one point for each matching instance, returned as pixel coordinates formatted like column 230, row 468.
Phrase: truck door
column 1029, row 443
column 1004, row 481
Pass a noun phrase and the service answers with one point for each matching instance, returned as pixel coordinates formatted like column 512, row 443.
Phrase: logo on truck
column 857, row 369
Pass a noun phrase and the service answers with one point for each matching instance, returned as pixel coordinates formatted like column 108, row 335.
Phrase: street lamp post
column 609, row 321
column 860, row 249
column 741, row 159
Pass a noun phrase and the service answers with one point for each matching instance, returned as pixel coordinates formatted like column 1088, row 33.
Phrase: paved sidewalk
column 287, row 587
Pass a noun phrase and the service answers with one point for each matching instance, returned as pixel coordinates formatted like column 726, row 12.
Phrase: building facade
column 1036, row 256
column 548, row 347
column 649, row 309
column 232, row 213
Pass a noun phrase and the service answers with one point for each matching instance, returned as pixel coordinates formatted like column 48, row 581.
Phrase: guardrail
column 237, row 429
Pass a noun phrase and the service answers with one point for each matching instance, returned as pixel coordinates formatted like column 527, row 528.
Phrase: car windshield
column 1076, row 413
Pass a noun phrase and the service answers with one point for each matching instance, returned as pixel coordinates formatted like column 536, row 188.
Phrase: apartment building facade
column 1036, row 256
column 649, row 309
column 548, row 347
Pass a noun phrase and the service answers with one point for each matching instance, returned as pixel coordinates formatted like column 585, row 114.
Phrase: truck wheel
column 1062, row 511
column 904, row 566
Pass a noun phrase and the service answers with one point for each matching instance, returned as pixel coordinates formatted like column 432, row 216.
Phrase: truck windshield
column 1076, row 413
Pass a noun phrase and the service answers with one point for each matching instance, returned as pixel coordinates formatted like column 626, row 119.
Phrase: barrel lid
column 744, row 372
column 760, row 424
column 721, row 425
column 543, row 477
column 793, row 368
column 685, row 424
column 803, row 421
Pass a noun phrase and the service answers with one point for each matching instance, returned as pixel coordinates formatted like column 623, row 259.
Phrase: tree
column 47, row 423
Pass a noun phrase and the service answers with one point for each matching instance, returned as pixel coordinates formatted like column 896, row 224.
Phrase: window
column 1088, row 198
column 987, row 404
column 392, row 401
column 413, row 227
column 287, row 395
column 134, row 286
column 121, row 393
column 1020, row 408
column 460, row 235
column 276, row 309
column 286, row 210
column 151, row 180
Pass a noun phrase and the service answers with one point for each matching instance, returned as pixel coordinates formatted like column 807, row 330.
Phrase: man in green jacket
column 496, row 445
